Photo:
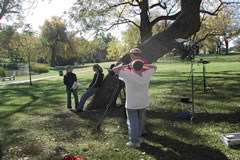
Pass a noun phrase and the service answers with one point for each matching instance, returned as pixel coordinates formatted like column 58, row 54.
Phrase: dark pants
column 69, row 101
column 85, row 96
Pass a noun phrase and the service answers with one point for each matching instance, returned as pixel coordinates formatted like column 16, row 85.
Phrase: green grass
column 34, row 122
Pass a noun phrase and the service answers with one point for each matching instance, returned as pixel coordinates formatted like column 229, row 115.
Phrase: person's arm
column 96, row 79
column 118, row 68
column 75, row 78
column 150, row 66
column 65, row 80
column 93, row 81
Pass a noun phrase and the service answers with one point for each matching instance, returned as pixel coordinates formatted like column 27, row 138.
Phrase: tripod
column 185, row 100
column 119, row 86
column 204, row 81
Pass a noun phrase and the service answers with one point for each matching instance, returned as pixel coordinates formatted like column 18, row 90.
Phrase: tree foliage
column 14, row 8
column 54, row 35
column 115, row 50
column 219, row 29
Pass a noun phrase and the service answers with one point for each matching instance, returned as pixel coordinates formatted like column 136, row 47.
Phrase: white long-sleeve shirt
column 137, row 88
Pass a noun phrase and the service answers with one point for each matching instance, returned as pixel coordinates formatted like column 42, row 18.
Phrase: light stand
column 192, row 79
column 204, row 81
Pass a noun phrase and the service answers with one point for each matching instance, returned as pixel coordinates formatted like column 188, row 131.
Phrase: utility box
column 231, row 139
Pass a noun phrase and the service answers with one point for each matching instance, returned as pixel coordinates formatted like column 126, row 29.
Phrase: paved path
column 36, row 79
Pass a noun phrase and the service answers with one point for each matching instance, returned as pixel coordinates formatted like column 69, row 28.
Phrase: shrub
column 39, row 68
column 2, row 72
column 12, row 66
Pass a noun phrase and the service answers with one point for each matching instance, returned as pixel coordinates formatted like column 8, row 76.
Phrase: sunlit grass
column 35, row 123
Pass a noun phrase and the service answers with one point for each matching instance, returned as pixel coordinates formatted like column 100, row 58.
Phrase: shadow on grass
column 170, row 115
column 21, row 109
column 167, row 148
column 1, row 154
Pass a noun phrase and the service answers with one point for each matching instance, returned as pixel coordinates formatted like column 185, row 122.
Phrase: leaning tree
column 186, row 24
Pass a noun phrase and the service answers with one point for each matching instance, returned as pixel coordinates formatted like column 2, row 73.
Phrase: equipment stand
column 193, row 103
column 194, row 107
column 204, row 81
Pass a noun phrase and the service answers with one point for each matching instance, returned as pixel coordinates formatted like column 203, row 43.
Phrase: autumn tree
column 220, row 27
column 115, row 50
column 28, row 46
column 54, row 34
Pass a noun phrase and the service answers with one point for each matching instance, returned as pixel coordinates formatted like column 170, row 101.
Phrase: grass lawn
column 35, row 125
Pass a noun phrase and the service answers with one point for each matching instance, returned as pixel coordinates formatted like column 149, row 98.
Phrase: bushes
column 2, row 72
column 39, row 68
column 13, row 66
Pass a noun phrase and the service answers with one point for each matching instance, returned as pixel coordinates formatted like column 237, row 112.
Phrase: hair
column 68, row 67
column 138, row 65
column 98, row 67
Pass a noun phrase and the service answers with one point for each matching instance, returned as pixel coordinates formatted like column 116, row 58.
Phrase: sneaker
column 78, row 111
column 130, row 144
column 70, row 109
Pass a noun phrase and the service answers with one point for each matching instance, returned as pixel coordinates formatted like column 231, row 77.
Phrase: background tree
column 54, row 34
column 115, row 50
column 10, row 8
column 236, row 47
column 28, row 46
column 222, row 27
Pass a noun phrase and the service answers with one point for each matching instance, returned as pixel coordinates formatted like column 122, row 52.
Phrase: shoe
column 130, row 144
column 78, row 111
column 70, row 109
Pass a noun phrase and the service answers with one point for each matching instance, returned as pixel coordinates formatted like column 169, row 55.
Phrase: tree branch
column 218, row 8
column 206, row 36
column 124, row 3
column 160, row 18
column 123, row 21
column 159, row 5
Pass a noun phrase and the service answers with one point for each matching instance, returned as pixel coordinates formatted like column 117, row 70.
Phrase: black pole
column 204, row 79
column 192, row 77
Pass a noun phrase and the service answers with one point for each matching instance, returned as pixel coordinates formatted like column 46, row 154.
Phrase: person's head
column 137, row 65
column 135, row 53
column 69, row 68
column 97, row 68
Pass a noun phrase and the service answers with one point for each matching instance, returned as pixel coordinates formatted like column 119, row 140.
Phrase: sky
column 45, row 10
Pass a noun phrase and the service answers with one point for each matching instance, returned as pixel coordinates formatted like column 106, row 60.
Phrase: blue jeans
column 69, row 101
column 85, row 96
column 135, row 119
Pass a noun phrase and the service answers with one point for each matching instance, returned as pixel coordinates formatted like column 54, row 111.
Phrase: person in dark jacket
column 69, row 79
column 93, row 87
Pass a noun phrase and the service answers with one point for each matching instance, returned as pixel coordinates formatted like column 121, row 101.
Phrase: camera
column 188, row 49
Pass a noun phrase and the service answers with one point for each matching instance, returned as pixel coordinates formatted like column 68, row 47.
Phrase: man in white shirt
column 137, row 85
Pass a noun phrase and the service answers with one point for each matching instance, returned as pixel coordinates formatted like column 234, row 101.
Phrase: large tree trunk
column 145, row 26
column 187, row 24
column 53, row 56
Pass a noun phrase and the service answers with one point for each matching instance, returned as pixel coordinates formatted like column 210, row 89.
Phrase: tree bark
column 145, row 25
column 53, row 56
column 187, row 24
